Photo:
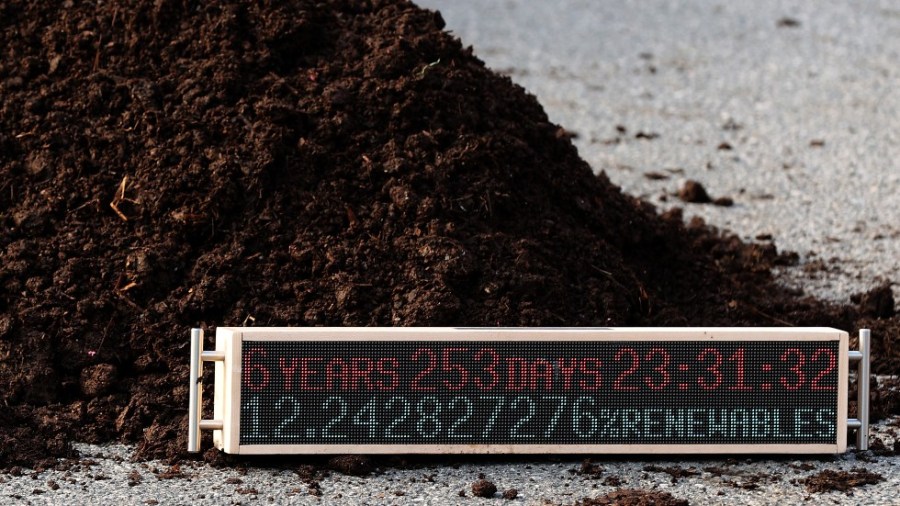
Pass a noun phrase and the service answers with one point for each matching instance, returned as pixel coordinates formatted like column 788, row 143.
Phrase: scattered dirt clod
column 694, row 193
column 483, row 488
column 877, row 302
column 830, row 479
column 634, row 497
column 355, row 465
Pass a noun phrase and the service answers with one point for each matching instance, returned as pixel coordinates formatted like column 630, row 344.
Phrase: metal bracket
column 861, row 357
column 195, row 403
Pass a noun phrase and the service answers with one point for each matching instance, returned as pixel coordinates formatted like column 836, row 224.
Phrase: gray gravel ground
column 105, row 475
column 804, row 92
column 805, row 96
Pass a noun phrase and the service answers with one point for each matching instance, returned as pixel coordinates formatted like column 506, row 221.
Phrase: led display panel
column 567, row 390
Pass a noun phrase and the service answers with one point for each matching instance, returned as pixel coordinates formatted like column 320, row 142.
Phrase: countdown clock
column 527, row 390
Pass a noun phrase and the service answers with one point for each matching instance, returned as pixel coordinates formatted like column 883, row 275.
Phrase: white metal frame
column 227, row 357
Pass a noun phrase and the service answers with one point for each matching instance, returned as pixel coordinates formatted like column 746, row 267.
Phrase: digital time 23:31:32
column 530, row 392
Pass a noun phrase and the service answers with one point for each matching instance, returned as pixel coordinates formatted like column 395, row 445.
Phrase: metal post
column 195, row 402
column 862, row 390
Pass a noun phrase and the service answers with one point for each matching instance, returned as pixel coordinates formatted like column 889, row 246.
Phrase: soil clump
column 170, row 164
column 634, row 497
column 483, row 488
column 830, row 479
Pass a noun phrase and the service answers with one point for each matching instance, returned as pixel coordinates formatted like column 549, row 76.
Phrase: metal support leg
column 196, row 388
column 862, row 392
column 861, row 359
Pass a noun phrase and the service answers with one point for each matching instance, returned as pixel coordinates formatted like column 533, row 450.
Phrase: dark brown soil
column 830, row 480
column 634, row 497
column 590, row 469
column 736, row 477
column 674, row 471
column 694, row 192
column 483, row 488
column 355, row 465
column 169, row 164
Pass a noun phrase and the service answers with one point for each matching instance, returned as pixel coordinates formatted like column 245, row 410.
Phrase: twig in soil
column 127, row 287
column 644, row 299
column 82, row 206
column 428, row 67
column 601, row 271
column 120, row 197
column 120, row 290
column 93, row 353
column 97, row 53
column 756, row 310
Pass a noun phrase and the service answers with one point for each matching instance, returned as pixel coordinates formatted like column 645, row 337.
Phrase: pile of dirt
column 169, row 164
